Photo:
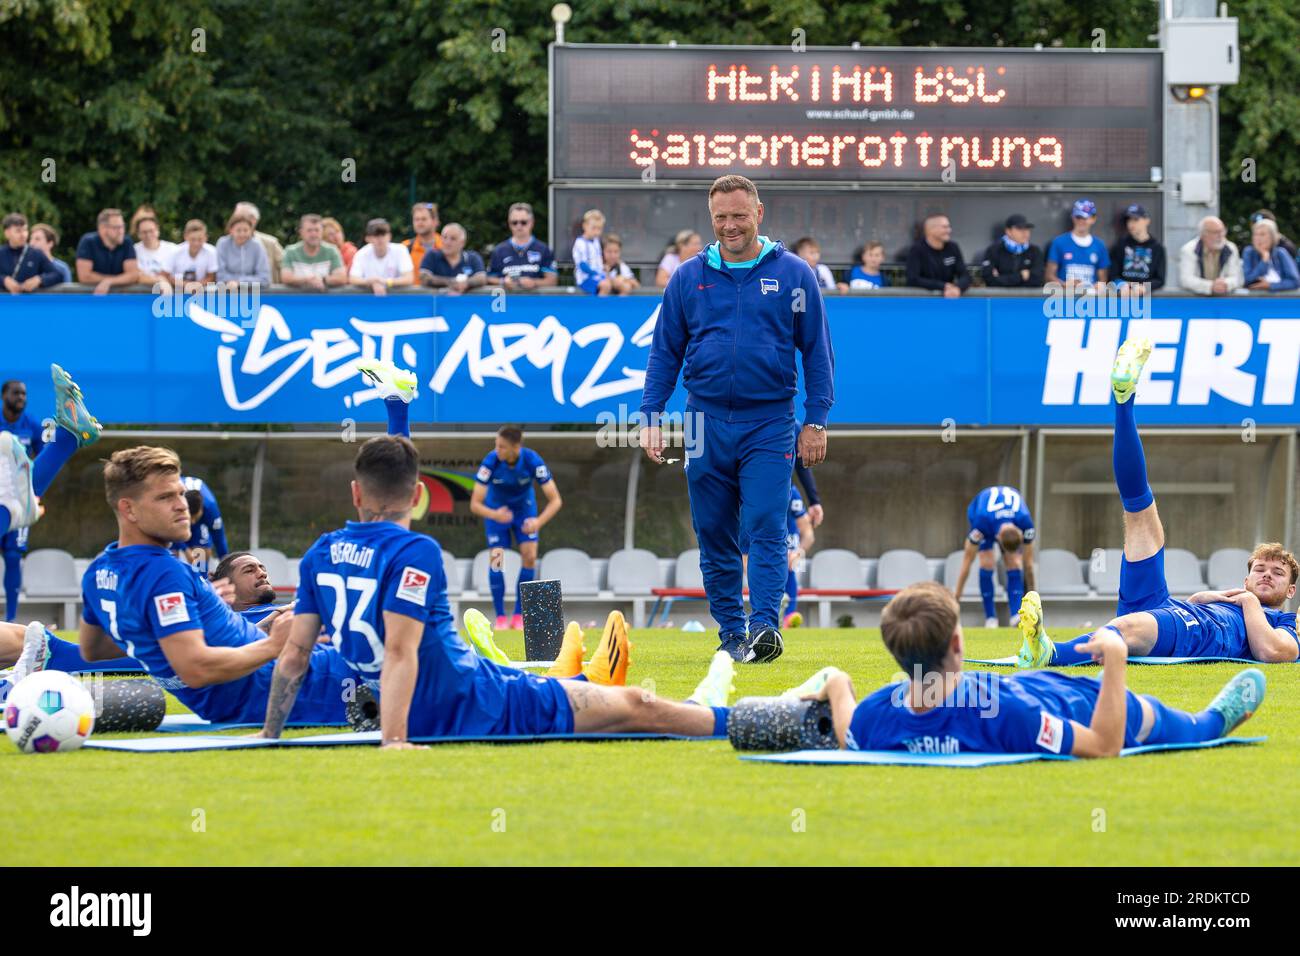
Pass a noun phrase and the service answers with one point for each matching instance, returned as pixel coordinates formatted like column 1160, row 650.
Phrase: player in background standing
column 503, row 497
column 14, row 419
column 207, row 529
column 998, row 515
column 1078, row 258
column 798, row 542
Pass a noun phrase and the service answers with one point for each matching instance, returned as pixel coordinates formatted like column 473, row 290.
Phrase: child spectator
column 866, row 274
column 1138, row 257
column 194, row 263
column 588, row 260
column 810, row 252
column 24, row 267
column 621, row 278
column 45, row 238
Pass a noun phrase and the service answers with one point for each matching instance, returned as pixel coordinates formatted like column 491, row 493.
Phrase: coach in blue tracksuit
column 733, row 317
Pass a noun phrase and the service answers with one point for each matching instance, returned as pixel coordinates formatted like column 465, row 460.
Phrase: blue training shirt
column 28, row 430
column 141, row 595
column 994, row 507
column 512, row 485
column 210, row 530
column 1222, row 626
column 987, row 713
column 350, row 577
column 1077, row 262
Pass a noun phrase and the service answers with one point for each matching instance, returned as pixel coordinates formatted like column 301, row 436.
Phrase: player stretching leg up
column 1245, row 622
column 382, row 589
column 503, row 497
column 943, row 709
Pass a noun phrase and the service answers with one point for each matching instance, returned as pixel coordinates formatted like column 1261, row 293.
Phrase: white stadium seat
column 836, row 568
column 1103, row 570
column 571, row 567
column 1183, row 572
column 277, row 566
column 449, row 569
column 1059, row 574
column 633, row 571
column 50, row 576
column 1228, row 568
column 952, row 567
column 688, row 570
column 901, row 567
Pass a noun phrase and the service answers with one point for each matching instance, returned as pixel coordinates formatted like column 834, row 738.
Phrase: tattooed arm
column 289, row 672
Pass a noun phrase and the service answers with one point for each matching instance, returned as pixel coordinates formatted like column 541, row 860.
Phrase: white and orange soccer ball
column 49, row 712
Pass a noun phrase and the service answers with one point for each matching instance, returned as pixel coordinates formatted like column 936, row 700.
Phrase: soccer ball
column 49, row 711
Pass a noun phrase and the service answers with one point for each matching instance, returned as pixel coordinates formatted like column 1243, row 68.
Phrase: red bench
column 824, row 597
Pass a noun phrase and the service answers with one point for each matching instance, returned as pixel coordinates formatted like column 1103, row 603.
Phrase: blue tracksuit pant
column 739, row 477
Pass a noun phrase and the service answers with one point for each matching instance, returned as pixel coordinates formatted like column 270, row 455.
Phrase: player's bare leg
column 601, row 709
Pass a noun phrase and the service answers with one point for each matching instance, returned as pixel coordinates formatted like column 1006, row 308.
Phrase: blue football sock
column 64, row 655
column 13, row 582
column 1173, row 726
column 525, row 574
column 399, row 417
column 720, row 716
column 1065, row 652
column 1015, row 589
column 792, row 589
column 5, row 518
column 52, row 457
column 1129, row 461
column 497, row 585
column 986, row 593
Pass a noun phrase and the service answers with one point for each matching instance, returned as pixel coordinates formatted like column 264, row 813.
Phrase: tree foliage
column 191, row 105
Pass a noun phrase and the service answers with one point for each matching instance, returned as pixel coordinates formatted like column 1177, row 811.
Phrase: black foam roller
column 363, row 709
column 781, row 723
column 129, row 704
column 542, row 605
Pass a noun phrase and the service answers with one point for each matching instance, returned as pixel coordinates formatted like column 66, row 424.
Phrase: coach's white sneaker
column 16, row 492
column 389, row 380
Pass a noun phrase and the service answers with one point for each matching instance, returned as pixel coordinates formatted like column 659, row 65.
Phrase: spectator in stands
column 866, row 274
column 523, row 261
column 381, row 264
column 588, row 258
column 935, row 262
column 311, row 263
column 332, row 230
column 687, row 243
column 45, row 238
column 1265, row 265
column 810, row 252
column 194, row 264
column 622, row 279
column 274, row 251
column 1078, row 258
column 106, row 257
column 240, row 257
column 1012, row 261
column 1210, row 264
column 142, row 211
column 425, row 225
column 452, row 267
column 1282, row 240
column 1139, row 258
column 24, row 267
column 153, row 255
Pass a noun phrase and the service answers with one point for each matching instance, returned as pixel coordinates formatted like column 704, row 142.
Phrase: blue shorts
column 514, row 703
column 15, row 542
column 322, row 697
column 498, row 533
column 1180, row 630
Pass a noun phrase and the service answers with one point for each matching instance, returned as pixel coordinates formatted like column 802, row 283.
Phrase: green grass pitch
column 674, row 803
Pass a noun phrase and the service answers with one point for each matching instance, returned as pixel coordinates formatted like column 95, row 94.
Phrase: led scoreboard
column 874, row 115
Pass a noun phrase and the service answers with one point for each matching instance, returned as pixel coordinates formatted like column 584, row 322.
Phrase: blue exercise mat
column 1011, row 661
column 177, row 744
column 193, row 723
column 902, row 758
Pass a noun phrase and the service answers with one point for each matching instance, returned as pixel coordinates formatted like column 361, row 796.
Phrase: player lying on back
column 998, row 517
column 25, row 650
column 253, row 597
column 382, row 591
column 139, row 601
column 1246, row 622
column 942, row 709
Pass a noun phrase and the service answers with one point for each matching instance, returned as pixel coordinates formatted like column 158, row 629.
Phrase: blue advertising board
column 481, row 359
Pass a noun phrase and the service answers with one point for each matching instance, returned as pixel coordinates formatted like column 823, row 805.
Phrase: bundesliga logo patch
column 1050, row 733
column 171, row 608
column 415, row 586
